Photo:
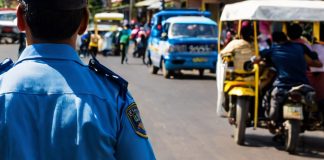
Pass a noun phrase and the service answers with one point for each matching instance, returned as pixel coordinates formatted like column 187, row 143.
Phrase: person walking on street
column 124, row 42
column 85, row 40
column 141, row 44
column 53, row 106
column 94, row 44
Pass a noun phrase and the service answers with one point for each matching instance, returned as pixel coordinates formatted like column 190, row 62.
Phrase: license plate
column 293, row 111
column 199, row 60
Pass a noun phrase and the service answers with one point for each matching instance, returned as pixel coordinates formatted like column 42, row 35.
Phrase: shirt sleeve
column 132, row 141
column 229, row 48
column 308, row 52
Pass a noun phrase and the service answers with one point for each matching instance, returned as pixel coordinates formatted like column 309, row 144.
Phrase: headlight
column 178, row 48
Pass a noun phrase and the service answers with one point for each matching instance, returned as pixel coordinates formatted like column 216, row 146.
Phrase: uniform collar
column 50, row 51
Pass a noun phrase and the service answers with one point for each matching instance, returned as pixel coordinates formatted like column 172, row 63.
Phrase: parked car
column 9, row 32
column 186, row 43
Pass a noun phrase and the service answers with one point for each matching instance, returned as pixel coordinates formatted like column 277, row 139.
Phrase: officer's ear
column 20, row 18
column 84, row 21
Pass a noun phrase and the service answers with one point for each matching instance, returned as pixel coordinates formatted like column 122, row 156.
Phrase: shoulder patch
column 135, row 120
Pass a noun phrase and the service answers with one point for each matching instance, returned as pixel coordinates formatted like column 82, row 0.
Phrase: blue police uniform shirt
column 289, row 61
column 52, row 106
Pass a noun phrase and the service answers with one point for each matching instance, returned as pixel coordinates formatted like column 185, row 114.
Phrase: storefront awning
column 146, row 3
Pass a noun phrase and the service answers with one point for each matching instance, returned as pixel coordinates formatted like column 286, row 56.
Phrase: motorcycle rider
column 288, row 58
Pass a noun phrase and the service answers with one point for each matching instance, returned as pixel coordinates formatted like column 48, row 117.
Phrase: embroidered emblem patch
column 135, row 119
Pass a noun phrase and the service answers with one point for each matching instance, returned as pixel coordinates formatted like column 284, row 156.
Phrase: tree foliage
column 95, row 6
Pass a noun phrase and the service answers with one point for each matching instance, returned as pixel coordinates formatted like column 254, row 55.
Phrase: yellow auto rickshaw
column 232, row 84
column 105, row 26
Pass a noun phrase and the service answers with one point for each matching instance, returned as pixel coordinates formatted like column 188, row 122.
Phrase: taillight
column 295, row 97
column 7, row 29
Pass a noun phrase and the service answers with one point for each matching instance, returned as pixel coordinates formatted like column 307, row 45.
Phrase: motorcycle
column 299, row 113
column 295, row 115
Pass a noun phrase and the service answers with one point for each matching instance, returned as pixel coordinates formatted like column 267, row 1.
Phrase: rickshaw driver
column 241, row 49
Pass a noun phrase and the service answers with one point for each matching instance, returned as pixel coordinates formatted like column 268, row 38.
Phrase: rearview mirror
column 164, row 36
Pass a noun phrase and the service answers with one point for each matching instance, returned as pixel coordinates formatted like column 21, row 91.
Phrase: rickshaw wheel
column 242, row 107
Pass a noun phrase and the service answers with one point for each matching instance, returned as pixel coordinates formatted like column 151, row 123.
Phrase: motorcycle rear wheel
column 242, row 108
column 292, row 130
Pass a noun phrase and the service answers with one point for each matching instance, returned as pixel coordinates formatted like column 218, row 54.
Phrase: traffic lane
column 182, row 124
column 8, row 51
column 166, row 107
column 180, row 117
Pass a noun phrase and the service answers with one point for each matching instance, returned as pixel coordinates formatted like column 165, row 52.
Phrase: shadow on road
column 193, row 77
column 309, row 146
column 190, row 76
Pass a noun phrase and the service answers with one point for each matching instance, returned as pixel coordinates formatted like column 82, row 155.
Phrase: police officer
column 52, row 106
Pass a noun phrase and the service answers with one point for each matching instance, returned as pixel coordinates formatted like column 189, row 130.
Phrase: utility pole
column 131, row 4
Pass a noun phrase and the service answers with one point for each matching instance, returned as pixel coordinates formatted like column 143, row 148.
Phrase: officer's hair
column 53, row 25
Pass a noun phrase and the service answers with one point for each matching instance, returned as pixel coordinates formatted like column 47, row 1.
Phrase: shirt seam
column 48, row 94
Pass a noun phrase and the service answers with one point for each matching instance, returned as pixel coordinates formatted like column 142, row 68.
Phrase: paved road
column 181, row 120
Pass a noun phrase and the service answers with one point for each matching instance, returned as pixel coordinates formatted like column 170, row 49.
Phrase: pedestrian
column 116, row 41
column 141, row 45
column 124, row 42
column 53, row 106
column 133, row 37
column 85, row 40
column 94, row 43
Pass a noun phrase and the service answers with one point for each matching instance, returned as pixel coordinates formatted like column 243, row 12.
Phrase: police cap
column 55, row 4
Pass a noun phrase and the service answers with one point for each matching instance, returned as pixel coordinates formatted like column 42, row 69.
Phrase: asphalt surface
column 180, row 117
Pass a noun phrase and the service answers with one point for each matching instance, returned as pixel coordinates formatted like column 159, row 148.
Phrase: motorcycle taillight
column 295, row 97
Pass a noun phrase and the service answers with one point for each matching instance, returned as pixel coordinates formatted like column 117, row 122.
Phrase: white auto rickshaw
column 247, row 114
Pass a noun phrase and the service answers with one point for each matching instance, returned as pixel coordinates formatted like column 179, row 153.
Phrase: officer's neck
column 70, row 41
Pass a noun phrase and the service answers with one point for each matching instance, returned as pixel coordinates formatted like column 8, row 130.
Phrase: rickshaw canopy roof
column 274, row 10
column 109, row 16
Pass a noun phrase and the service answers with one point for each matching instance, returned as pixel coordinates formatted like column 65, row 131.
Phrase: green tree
column 1, row 3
